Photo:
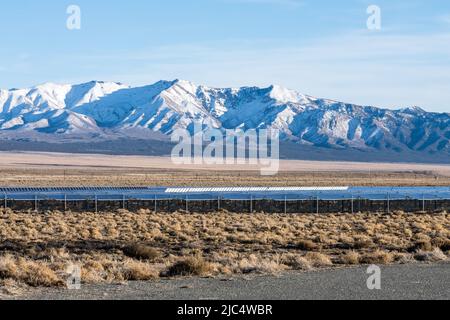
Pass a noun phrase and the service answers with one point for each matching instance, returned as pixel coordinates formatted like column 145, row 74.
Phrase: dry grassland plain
column 46, row 169
column 115, row 247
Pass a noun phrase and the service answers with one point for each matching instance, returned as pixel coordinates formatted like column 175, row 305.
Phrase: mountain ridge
column 99, row 110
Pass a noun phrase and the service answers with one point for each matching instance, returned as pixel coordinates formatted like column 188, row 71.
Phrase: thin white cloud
column 366, row 68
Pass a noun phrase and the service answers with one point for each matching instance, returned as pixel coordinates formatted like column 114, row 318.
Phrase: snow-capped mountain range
column 105, row 110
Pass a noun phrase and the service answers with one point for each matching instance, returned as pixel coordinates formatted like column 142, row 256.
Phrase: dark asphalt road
column 415, row 281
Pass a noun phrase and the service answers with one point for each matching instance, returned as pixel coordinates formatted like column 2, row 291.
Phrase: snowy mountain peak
column 182, row 86
column 102, row 109
column 50, row 86
column 284, row 95
column 413, row 110
column 184, row 83
column 91, row 91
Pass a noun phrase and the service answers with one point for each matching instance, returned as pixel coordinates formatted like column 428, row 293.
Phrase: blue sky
column 318, row 47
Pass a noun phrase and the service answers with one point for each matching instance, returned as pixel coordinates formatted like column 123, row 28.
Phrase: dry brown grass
column 422, row 245
column 136, row 270
column 55, row 176
column 192, row 266
column 32, row 273
column 318, row 259
column 441, row 243
column 350, row 258
column 35, row 249
column 296, row 262
column 141, row 252
column 306, row 245
column 377, row 257
column 430, row 256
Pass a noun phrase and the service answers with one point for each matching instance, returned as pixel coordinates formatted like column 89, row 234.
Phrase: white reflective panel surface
column 254, row 189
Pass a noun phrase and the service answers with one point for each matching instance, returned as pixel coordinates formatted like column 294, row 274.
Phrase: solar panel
column 254, row 189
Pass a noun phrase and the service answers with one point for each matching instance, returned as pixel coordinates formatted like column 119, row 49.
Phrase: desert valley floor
column 116, row 247
column 54, row 169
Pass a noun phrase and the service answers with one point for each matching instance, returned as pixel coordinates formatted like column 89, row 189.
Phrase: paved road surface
column 415, row 281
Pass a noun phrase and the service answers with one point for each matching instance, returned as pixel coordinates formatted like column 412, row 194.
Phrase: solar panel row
column 70, row 189
column 239, row 193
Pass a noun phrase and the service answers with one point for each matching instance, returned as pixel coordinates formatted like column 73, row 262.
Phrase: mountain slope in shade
column 106, row 110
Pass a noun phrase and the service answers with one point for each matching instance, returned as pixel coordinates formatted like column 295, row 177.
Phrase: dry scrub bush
column 350, row 258
column 141, row 252
column 377, row 257
column 192, row 266
column 10, row 287
column 258, row 264
column 433, row 256
column 318, row 259
column 33, row 273
column 296, row 262
column 363, row 244
column 138, row 271
column 442, row 243
column 403, row 258
column 306, row 245
column 421, row 245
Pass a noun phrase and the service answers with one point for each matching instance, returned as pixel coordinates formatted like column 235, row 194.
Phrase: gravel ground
column 404, row 282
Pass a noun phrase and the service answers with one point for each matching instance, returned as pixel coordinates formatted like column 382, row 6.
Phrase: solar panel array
column 232, row 193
